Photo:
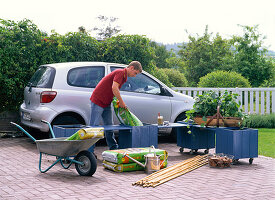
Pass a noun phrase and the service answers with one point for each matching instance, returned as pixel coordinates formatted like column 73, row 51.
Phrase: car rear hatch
column 41, row 82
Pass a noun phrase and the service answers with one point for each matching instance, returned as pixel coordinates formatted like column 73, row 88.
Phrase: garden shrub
column 223, row 79
column 260, row 121
column 161, row 75
column 176, row 77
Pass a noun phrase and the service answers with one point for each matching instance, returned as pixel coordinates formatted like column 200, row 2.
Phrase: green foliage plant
column 223, row 79
column 206, row 105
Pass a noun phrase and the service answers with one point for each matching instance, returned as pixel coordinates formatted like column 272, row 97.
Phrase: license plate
column 26, row 116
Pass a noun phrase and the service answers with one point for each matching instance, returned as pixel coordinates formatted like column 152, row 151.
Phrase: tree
column 202, row 55
column 249, row 56
column 106, row 28
column 126, row 48
column 161, row 55
column 175, row 62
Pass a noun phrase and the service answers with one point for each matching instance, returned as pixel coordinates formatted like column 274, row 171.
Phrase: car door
column 145, row 98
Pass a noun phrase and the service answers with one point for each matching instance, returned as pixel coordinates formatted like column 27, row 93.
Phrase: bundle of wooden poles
column 172, row 172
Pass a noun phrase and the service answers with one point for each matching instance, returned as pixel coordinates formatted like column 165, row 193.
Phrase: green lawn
column 266, row 142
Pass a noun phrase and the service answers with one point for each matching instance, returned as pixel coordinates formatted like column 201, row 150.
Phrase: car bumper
column 32, row 118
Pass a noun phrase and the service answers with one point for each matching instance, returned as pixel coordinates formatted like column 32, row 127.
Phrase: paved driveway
column 21, row 179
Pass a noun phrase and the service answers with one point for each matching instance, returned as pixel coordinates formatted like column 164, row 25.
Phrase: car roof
column 79, row 64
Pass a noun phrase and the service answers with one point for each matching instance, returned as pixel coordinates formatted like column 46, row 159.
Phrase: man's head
column 134, row 68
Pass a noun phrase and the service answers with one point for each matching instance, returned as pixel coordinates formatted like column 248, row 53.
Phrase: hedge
column 23, row 48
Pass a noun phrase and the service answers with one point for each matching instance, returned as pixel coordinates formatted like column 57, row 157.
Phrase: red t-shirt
column 103, row 94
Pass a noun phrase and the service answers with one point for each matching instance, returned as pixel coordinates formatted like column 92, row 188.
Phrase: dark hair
column 136, row 65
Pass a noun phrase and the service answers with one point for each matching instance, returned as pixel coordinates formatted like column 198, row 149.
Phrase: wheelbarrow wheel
column 89, row 163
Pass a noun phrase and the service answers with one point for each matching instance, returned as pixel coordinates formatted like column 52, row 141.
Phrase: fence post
column 273, row 102
column 251, row 102
column 262, row 103
column 257, row 102
column 246, row 101
column 267, row 102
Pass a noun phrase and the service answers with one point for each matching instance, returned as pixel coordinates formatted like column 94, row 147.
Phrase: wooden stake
column 165, row 170
column 172, row 172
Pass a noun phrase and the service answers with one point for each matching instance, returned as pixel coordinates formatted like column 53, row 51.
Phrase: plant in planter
column 210, row 109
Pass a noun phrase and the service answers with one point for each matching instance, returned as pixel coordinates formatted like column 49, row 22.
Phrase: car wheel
column 67, row 119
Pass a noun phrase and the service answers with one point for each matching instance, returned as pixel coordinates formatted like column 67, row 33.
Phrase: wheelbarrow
column 66, row 152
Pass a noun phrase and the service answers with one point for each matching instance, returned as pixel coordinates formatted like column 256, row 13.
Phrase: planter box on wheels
column 241, row 143
column 200, row 138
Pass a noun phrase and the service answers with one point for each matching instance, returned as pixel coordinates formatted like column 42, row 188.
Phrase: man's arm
column 116, row 92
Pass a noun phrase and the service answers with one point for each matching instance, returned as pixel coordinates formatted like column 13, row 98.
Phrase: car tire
column 67, row 119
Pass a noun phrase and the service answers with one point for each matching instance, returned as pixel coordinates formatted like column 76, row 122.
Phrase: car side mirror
column 164, row 91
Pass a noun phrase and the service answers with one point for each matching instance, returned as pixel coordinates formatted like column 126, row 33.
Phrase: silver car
column 60, row 94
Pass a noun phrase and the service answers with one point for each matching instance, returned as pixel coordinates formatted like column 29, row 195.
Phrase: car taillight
column 47, row 96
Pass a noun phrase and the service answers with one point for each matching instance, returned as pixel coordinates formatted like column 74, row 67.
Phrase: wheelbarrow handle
column 51, row 130
column 23, row 131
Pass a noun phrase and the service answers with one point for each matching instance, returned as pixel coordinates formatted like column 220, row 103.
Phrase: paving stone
column 20, row 178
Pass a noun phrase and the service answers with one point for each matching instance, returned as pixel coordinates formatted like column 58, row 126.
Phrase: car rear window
column 42, row 78
column 85, row 76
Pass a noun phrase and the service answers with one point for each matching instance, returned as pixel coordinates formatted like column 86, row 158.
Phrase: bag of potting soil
column 87, row 133
column 117, row 156
column 125, row 116
column 128, row 167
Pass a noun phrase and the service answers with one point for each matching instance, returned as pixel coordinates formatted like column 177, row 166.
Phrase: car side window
column 141, row 84
column 85, row 76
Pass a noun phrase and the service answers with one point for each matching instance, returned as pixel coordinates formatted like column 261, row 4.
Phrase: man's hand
column 122, row 104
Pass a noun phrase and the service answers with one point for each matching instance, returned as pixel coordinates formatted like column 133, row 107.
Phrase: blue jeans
column 97, row 114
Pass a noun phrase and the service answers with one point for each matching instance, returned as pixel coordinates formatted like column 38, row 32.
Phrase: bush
column 18, row 60
column 161, row 75
column 175, row 77
column 260, row 121
column 223, row 79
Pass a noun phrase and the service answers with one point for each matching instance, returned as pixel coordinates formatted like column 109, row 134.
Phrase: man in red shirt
column 103, row 94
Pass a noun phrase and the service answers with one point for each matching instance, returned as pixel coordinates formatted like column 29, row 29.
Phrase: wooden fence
column 253, row 100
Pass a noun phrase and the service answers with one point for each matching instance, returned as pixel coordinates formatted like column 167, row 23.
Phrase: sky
column 164, row 21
